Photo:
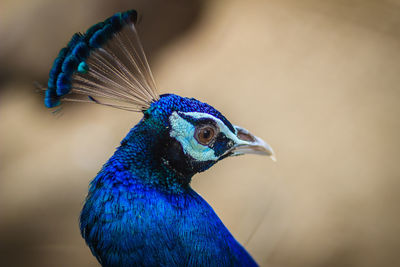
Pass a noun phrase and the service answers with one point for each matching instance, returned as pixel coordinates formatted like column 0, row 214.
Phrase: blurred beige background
column 319, row 80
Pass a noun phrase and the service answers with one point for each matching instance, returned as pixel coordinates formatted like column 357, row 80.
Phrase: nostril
column 245, row 136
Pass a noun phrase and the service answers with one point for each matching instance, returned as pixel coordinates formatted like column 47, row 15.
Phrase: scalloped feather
column 106, row 66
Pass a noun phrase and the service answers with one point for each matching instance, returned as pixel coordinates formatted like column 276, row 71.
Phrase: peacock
column 140, row 209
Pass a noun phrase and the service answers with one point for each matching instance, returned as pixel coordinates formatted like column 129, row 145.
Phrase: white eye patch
column 183, row 131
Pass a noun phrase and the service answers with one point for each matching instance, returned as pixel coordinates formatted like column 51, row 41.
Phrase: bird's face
column 198, row 135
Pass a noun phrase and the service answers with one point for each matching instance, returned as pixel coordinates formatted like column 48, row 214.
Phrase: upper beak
column 251, row 144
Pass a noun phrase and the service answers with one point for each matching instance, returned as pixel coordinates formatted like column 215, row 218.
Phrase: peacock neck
column 142, row 154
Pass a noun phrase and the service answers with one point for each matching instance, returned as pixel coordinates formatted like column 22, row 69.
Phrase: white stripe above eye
column 222, row 127
column 183, row 131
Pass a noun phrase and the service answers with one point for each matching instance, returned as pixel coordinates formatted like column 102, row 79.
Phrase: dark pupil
column 206, row 134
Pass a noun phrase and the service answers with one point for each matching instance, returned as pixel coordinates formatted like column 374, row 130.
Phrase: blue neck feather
column 141, row 210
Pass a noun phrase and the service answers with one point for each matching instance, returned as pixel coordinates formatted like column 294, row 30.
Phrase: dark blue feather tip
column 72, row 58
column 51, row 99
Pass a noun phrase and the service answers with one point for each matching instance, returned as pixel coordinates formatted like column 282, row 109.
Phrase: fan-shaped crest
column 106, row 65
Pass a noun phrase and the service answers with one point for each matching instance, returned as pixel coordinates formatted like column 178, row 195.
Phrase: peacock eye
column 205, row 134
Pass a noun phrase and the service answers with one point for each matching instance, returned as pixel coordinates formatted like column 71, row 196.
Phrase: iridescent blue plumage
column 72, row 58
column 141, row 210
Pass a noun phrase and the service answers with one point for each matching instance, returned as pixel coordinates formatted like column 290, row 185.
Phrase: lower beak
column 251, row 144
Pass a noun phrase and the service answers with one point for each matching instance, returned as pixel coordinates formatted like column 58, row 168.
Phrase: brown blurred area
column 318, row 80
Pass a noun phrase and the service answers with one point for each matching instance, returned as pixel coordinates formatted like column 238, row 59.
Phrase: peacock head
column 106, row 65
column 196, row 135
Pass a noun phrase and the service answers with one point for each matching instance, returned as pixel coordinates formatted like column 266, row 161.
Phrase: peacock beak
column 251, row 144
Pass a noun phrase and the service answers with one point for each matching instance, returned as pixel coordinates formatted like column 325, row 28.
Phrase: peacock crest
column 106, row 65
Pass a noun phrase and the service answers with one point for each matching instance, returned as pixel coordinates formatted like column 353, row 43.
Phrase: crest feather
column 106, row 66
